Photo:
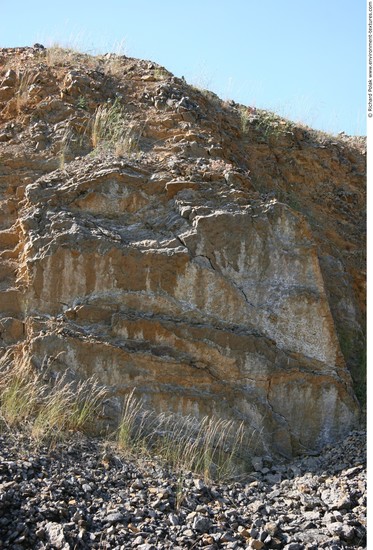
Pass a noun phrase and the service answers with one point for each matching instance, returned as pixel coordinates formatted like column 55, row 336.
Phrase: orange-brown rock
column 214, row 260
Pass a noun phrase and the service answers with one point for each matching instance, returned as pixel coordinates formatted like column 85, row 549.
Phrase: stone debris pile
column 84, row 494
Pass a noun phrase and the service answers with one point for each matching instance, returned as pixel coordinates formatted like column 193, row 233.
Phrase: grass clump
column 66, row 141
column 82, row 103
column 160, row 73
column 113, row 129
column 271, row 124
column 46, row 411
column 25, row 81
column 209, row 446
column 268, row 123
column 245, row 117
column 57, row 55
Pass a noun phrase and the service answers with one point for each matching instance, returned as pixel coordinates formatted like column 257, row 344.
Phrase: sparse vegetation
column 25, row 80
column 73, row 140
column 161, row 74
column 47, row 411
column 212, row 98
column 113, row 129
column 50, row 412
column 245, row 116
column 208, row 446
column 57, row 55
column 267, row 122
column 65, row 145
column 271, row 123
column 82, row 103
column 113, row 65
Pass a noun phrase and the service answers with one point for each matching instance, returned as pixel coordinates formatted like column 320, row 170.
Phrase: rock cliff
column 208, row 254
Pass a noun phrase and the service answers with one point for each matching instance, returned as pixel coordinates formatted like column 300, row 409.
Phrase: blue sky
column 305, row 60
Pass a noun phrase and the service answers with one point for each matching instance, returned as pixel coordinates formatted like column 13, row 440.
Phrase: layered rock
column 171, row 269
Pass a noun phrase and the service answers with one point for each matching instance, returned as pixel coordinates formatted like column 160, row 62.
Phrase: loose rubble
column 84, row 494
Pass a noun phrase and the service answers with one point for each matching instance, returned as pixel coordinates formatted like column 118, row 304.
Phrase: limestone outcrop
column 209, row 255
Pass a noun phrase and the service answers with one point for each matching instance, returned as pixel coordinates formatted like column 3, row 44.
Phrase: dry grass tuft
column 58, row 55
column 46, row 411
column 25, row 81
column 113, row 129
column 210, row 447
column 49, row 412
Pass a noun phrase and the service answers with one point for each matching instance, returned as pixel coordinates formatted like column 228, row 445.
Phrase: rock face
column 214, row 261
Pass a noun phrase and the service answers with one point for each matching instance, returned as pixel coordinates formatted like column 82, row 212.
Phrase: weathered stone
column 115, row 517
column 6, row 93
column 256, row 544
column 56, row 535
column 10, row 78
column 11, row 330
column 201, row 524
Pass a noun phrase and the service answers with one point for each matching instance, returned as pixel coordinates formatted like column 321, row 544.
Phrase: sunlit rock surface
column 217, row 267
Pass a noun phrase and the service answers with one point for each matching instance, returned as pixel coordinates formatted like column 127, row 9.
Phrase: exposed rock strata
column 216, row 270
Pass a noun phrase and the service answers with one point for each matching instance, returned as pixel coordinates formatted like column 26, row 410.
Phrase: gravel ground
column 83, row 494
